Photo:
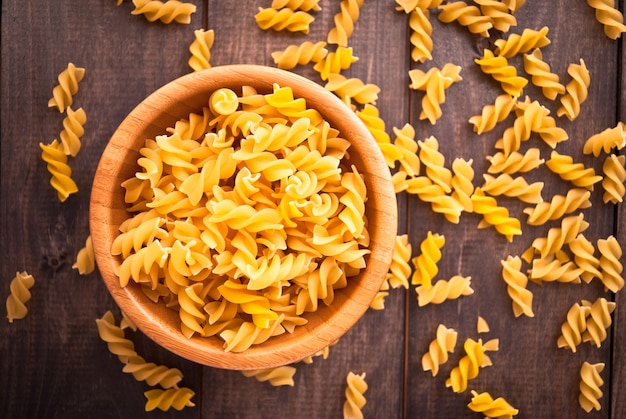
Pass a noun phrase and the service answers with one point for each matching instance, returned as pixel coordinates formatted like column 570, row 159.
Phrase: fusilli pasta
column 426, row 262
column 304, row 53
column 444, row 290
column 61, row 172
column 492, row 408
column 20, row 294
column 177, row 398
column 516, row 281
column 614, row 170
column 85, row 259
column 576, row 173
column 577, row 91
column 62, row 94
column 498, row 67
column 355, row 400
column 344, row 22
column 590, row 383
column 438, row 349
column 466, row 15
column 529, row 39
column 609, row 16
column 606, row 140
column 166, row 12
column 200, row 49
column 279, row 376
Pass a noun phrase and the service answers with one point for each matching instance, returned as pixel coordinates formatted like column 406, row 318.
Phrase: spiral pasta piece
column 152, row 373
column 590, row 383
column 474, row 359
column 583, row 251
column 444, row 290
column 574, row 327
column 515, row 162
column 350, row 11
column 514, row 5
column 400, row 270
column 559, row 205
column 462, row 186
column 609, row 16
column 166, row 12
column 407, row 6
column 492, row 114
column 72, row 131
column 20, row 294
column 61, row 172
column 614, row 170
column 304, row 53
column 492, row 408
column 571, row 227
column 200, row 49
column 513, row 187
column 438, row 349
column 440, row 202
column 405, row 143
column 434, row 82
column 577, row 91
column 279, row 376
column 62, row 94
column 516, row 282
column 498, row 67
column 434, row 160
column 284, row 19
column 352, row 89
column 426, row 262
column 421, row 35
column 335, row 62
column 501, row 17
column 610, row 265
column 495, row 215
column 576, row 173
column 529, row 39
column 177, row 398
column 113, row 335
column 356, row 386
column 466, row 15
column 606, row 140
column 553, row 269
column 85, row 259
column 304, row 5
column 541, row 76
column 598, row 321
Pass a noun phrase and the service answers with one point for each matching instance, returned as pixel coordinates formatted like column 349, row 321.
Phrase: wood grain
column 55, row 365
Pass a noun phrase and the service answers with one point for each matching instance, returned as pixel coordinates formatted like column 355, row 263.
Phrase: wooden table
column 54, row 365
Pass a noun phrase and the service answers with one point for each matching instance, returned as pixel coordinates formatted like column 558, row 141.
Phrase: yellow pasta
column 352, row 89
column 355, row 399
column 521, row 297
column 20, row 294
column 590, row 383
column 421, row 35
column 514, row 44
column 344, row 22
column 541, row 76
column 492, row 408
column 614, row 170
column 177, row 398
column 56, row 161
column 481, row 325
column 573, row 328
column 166, row 12
column 407, row 6
column 515, row 162
column 304, row 53
column 513, row 187
column 577, row 91
column 469, row 365
column 400, row 270
column 72, row 131
column 335, row 62
column 200, row 49
column 304, row 5
column 434, row 82
column 598, row 321
column 113, row 335
column 501, row 17
column 85, row 259
column 553, row 269
column 609, row 16
column 495, row 215
column 576, row 173
column 426, row 262
column 152, row 373
column 583, row 251
column 571, row 227
column 440, row 202
column 62, row 94
column 498, row 67
column 444, row 290
column 279, row 376
column 461, row 183
column 559, row 205
column 438, row 349
column 433, row 159
column 492, row 114
column 606, row 140
column 610, row 265
column 407, row 146
column 466, row 15
column 283, row 19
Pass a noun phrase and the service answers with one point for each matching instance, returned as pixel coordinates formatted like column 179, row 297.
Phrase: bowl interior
column 177, row 100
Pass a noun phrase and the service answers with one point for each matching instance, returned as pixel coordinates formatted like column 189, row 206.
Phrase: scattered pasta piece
column 574, row 327
column 492, row 114
column 495, row 215
column 606, row 140
column 304, row 53
column 279, row 376
column 85, row 259
column 610, row 265
column 434, row 82
column 177, row 398
column 501, row 16
column 515, row 162
column 20, row 294
column 355, row 400
column 444, row 290
column 474, row 359
column 557, row 237
column 513, row 187
column 530, row 39
column 62, row 94
column 516, row 280
column 609, row 16
column 598, row 320
column 541, row 76
column 56, row 160
column 352, row 89
column 590, row 383
column 421, row 32
column 304, row 5
column 614, row 170
column 344, row 22
column 466, row 15
column 166, row 12
column 559, row 205
column 576, row 173
column 498, row 67
column 400, row 270
column 335, row 62
column 438, row 349
column 481, row 325
column 200, row 49
column 426, row 262
column 73, row 130
column 484, row 403
column 152, row 373
column 577, row 91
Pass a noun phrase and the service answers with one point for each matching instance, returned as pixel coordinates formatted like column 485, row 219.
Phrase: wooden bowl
column 177, row 100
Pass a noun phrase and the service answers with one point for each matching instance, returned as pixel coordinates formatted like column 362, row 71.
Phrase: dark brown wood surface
column 54, row 365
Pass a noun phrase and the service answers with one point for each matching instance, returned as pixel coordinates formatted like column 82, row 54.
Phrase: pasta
column 72, row 131
column 541, row 76
column 85, row 259
column 513, row 187
column 553, row 269
column 462, row 186
column 516, row 281
column 444, row 290
column 492, row 408
column 200, row 49
column 610, row 265
column 335, row 62
column 474, row 359
column 590, row 383
column 284, row 19
column 407, row 6
column 426, row 262
column 279, row 376
column 20, row 294
column 583, row 251
column 501, row 17
column 378, row 303
column 434, row 82
column 492, row 114
column 438, row 349
column 481, row 325
column 574, row 327
column 56, row 160
column 304, row 5
column 433, row 159
column 405, row 143
column 609, row 16
column 177, row 398
column 495, row 215
column 152, row 373
column 113, row 335
column 440, row 202
column 62, row 94
column 606, row 140
column 577, row 91
column 466, row 15
column 305, row 53
column 576, row 173
column 352, row 89
column 515, row 162
column 344, row 22
column 559, row 205
column 614, row 170
column 400, row 270
column 530, row 39
column 598, row 320
column 166, row 12
column 570, row 229
column 536, row 119
column 421, row 32
column 355, row 400
column 498, row 67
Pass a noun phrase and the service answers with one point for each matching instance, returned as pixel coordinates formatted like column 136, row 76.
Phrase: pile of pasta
column 244, row 217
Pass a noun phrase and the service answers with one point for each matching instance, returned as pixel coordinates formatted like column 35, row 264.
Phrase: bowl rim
column 176, row 100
